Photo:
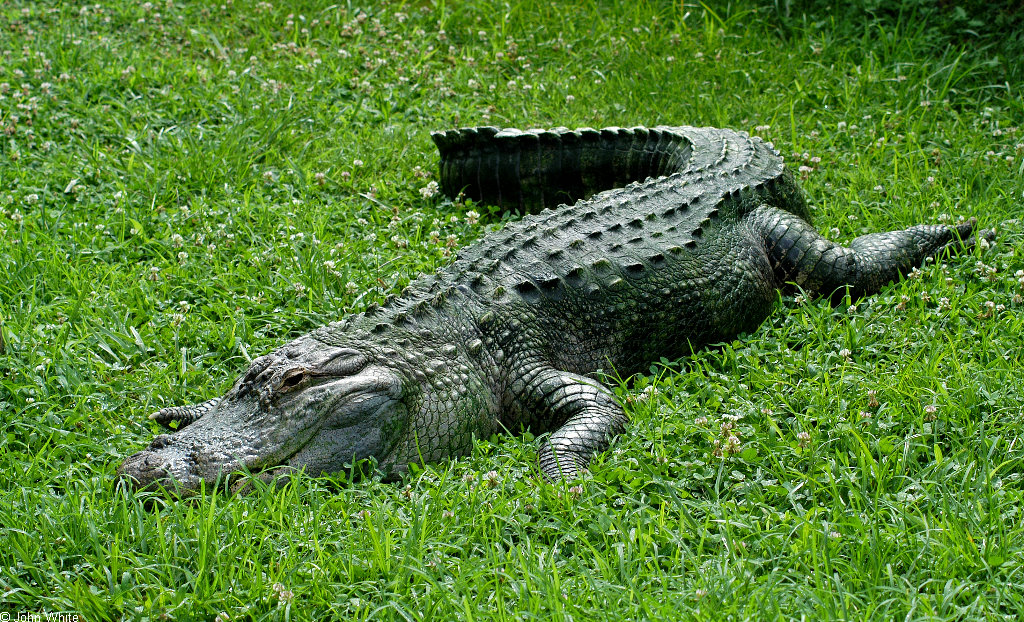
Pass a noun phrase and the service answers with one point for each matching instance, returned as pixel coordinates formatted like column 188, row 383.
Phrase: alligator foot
column 183, row 415
column 589, row 413
column 799, row 254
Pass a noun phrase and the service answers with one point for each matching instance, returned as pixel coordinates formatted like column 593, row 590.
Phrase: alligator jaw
column 167, row 465
column 163, row 463
column 319, row 424
column 237, row 436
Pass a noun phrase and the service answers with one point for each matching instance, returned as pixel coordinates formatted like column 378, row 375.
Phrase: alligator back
column 627, row 275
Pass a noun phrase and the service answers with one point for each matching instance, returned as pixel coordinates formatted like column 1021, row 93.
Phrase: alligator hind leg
column 800, row 255
column 583, row 414
column 183, row 415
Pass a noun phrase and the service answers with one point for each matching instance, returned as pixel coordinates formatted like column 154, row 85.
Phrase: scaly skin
column 511, row 334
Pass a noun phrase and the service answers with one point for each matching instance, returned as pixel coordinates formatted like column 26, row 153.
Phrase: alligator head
column 305, row 406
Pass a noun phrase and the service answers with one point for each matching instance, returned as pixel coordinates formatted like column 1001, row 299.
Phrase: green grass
column 185, row 186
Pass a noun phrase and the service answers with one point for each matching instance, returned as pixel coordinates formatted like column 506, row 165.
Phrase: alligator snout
column 308, row 415
column 162, row 463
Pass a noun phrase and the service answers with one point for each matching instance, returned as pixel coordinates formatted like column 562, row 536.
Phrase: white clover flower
column 491, row 478
column 430, row 190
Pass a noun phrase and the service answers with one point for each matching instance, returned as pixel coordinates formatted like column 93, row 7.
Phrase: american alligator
column 689, row 235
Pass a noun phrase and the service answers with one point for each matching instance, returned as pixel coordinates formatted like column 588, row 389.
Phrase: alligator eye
column 293, row 379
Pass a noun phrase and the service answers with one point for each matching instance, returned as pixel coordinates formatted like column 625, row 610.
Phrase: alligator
column 638, row 244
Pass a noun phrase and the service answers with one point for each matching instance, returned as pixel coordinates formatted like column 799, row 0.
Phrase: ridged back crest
column 679, row 183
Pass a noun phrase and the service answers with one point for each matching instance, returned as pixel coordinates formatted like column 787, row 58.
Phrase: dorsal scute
column 654, row 219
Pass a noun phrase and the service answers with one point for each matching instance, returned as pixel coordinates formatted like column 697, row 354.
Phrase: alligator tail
column 535, row 169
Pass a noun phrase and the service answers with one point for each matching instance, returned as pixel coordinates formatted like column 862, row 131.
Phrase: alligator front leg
column 183, row 415
column 582, row 413
column 799, row 254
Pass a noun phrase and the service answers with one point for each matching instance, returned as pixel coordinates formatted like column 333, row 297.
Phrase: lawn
column 186, row 185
